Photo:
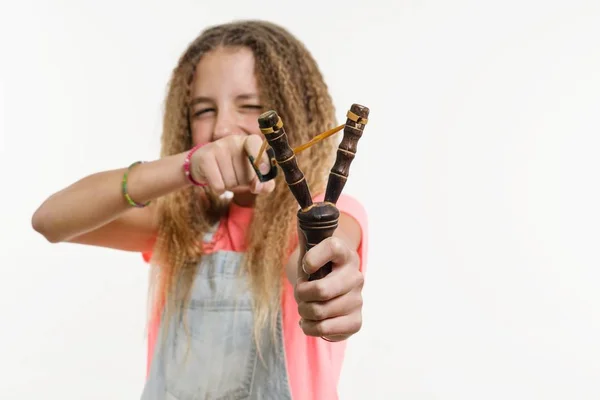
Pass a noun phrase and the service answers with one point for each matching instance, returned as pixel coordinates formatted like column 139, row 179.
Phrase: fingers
column 330, row 287
column 300, row 273
column 331, row 306
column 248, row 181
column 205, row 169
column 224, row 165
column 253, row 144
column 250, row 147
column 331, row 249
column 226, row 168
column 339, row 306
column 339, row 326
column 338, row 282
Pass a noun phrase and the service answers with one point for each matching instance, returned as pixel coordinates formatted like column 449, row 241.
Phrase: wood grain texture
column 319, row 220
column 345, row 154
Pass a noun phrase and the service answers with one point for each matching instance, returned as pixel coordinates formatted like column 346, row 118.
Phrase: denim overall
column 211, row 353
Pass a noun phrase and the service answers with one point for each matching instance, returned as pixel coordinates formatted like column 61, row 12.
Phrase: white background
column 479, row 170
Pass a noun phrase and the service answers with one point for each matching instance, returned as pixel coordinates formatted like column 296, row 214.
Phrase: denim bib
column 210, row 354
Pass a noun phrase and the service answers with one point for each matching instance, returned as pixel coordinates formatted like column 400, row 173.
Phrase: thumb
column 252, row 146
column 301, row 273
column 255, row 146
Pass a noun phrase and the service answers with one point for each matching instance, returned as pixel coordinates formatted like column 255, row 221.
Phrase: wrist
column 189, row 170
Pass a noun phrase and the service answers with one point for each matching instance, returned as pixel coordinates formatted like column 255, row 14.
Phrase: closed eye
column 197, row 113
column 252, row 107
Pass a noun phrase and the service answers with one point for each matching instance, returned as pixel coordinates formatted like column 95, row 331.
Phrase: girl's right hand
column 224, row 165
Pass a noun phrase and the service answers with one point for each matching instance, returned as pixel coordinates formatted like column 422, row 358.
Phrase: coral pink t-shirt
column 313, row 364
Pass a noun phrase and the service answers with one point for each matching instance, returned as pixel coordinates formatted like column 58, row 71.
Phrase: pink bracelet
column 186, row 165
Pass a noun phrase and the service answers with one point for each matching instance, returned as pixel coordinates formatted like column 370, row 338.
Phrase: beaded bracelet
column 124, row 188
column 186, row 166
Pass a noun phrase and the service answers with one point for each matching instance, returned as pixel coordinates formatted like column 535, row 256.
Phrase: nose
column 225, row 125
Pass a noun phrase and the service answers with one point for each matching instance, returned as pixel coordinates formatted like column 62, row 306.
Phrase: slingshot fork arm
column 317, row 221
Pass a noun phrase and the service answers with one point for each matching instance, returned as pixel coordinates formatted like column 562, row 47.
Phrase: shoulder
column 350, row 206
column 353, row 224
column 353, row 214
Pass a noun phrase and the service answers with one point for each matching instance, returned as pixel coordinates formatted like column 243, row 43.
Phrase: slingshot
column 316, row 220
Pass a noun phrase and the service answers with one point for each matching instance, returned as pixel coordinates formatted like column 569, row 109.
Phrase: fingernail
column 304, row 268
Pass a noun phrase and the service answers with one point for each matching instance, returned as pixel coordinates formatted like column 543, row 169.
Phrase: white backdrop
column 478, row 169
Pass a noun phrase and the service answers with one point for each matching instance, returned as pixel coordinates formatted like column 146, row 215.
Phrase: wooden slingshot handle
column 317, row 223
column 316, row 220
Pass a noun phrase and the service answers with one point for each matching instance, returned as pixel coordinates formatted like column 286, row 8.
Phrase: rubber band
column 356, row 118
column 273, row 129
column 318, row 138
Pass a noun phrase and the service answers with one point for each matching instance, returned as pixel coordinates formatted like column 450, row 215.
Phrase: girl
column 234, row 316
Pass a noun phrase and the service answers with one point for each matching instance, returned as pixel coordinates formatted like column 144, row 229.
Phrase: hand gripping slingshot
column 316, row 220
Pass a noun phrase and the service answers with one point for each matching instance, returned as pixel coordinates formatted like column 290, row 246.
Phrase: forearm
column 98, row 199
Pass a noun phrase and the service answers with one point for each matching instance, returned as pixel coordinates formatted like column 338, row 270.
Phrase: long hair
column 289, row 82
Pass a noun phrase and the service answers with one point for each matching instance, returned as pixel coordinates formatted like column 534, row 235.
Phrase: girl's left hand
column 330, row 307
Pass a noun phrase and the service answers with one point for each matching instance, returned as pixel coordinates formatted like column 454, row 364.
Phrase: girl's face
column 224, row 98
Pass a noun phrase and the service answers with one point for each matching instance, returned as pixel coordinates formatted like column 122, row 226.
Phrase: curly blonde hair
column 289, row 82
